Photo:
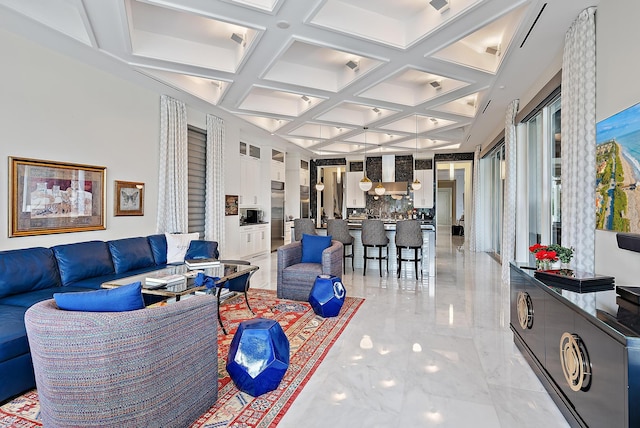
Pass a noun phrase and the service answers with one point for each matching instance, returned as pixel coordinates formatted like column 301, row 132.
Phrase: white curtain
column 473, row 220
column 173, row 174
column 579, row 139
column 214, row 190
column 509, row 207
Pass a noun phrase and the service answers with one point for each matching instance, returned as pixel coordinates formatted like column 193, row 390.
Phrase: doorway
column 444, row 206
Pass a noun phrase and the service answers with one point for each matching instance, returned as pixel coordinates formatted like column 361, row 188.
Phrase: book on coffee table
column 200, row 263
column 161, row 279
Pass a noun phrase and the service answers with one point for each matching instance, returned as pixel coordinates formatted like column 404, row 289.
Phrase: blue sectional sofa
column 31, row 275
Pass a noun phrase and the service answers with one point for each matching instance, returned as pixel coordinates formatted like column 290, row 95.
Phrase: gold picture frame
column 55, row 197
column 129, row 198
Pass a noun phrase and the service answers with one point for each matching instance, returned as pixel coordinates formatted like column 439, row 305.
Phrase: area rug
column 310, row 337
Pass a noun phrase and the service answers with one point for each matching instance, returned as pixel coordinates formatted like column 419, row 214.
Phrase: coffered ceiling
column 435, row 75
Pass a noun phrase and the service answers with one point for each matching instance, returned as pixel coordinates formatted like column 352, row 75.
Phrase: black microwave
column 252, row 216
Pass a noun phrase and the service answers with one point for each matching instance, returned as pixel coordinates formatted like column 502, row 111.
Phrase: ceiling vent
column 436, row 85
column 354, row 65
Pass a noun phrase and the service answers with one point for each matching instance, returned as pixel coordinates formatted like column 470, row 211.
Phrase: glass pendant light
column 416, row 185
column 380, row 188
column 365, row 184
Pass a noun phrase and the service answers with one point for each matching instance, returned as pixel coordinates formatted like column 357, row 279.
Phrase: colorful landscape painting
column 618, row 171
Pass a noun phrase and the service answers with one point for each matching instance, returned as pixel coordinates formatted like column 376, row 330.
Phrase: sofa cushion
column 32, row 297
column 177, row 245
column 301, row 273
column 125, row 298
column 26, row 270
column 313, row 246
column 130, row 253
column 158, row 245
column 202, row 250
column 13, row 336
column 83, row 260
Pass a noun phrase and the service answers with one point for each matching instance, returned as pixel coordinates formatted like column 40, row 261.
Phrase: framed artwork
column 618, row 171
column 231, row 205
column 54, row 197
column 129, row 198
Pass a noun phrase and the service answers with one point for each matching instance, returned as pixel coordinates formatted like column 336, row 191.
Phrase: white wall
column 55, row 108
column 617, row 88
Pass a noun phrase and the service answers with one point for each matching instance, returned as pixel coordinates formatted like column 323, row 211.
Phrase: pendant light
column 416, row 185
column 365, row 184
column 320, row 184
column 380, row 188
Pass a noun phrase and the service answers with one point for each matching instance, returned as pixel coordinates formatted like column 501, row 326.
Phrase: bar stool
column 374, row 235
column 339, row 231
column 409, row 236
column 303, row 225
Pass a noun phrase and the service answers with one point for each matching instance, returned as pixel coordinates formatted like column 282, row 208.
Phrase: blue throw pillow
column 119, row 299
column 312, row 247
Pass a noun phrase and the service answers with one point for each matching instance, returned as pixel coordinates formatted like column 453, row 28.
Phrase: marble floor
column 420, row 353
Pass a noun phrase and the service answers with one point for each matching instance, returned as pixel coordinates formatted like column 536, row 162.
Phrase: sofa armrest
column 288, row 255
column 332, row 259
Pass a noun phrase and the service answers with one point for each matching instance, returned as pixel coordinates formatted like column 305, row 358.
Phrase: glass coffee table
column 225, row 271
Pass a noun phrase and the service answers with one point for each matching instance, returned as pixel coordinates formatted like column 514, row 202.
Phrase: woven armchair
column 295, row 279
column 154, row 367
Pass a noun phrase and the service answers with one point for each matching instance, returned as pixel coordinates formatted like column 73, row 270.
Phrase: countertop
column 254, row 224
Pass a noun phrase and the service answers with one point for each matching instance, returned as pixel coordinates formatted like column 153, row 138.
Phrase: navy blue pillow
column 119, row 299
column 312, row 247
column 202, row 250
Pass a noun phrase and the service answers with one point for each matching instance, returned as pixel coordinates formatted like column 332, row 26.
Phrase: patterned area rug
column 310, row 337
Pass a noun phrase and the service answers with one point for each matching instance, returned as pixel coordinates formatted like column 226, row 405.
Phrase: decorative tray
column 580, row 282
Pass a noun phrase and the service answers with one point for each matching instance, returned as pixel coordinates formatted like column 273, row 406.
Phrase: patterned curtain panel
column 214, row 191
column 509, row 209
column 473, row 219
column 579, row 139
column 173, row 179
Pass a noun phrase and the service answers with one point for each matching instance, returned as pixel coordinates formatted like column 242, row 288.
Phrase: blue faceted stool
column 258, row 356
column 327, row 295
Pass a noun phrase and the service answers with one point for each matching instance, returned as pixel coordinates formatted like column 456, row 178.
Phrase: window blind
column 197, row 167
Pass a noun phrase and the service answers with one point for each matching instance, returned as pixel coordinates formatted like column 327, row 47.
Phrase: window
column 544, row 187
column 197, row 155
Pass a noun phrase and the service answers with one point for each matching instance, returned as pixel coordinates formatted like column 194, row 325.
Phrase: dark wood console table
column 587, row 359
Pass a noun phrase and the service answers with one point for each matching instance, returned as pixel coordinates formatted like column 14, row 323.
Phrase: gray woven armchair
column 295, row 279
column 154, row 367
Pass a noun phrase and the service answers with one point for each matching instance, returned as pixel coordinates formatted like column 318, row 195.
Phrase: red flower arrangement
column 551, row 256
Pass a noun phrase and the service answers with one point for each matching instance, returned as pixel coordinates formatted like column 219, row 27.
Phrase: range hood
column 391, row 186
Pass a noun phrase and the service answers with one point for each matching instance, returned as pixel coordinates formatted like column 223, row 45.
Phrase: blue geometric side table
column 258, row 356
column 327, row 295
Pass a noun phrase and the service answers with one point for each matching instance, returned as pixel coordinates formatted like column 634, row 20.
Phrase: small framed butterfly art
column 129, row 198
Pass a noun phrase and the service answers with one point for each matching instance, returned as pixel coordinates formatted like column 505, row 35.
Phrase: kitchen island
column 428, row 247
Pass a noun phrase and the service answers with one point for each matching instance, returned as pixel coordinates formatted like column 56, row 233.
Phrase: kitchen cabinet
column 304, row 173
column 355, row 197
column 423, row 197
column 249, row 175
column 254, row 239
column 277, row 165
column 288, row 232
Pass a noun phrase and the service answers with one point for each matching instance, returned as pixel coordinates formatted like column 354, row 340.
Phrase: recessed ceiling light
column 354, row 65
column 283, row 24
column 492, row 50
column 238, row 38
column 440, row 5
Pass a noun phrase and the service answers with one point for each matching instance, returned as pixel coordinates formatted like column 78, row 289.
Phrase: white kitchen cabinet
column 249, row 181
column 304, row 173
column 254, row 239
column 277, row 165
column 288, row 232
column 356, row 198
column 423, row 198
